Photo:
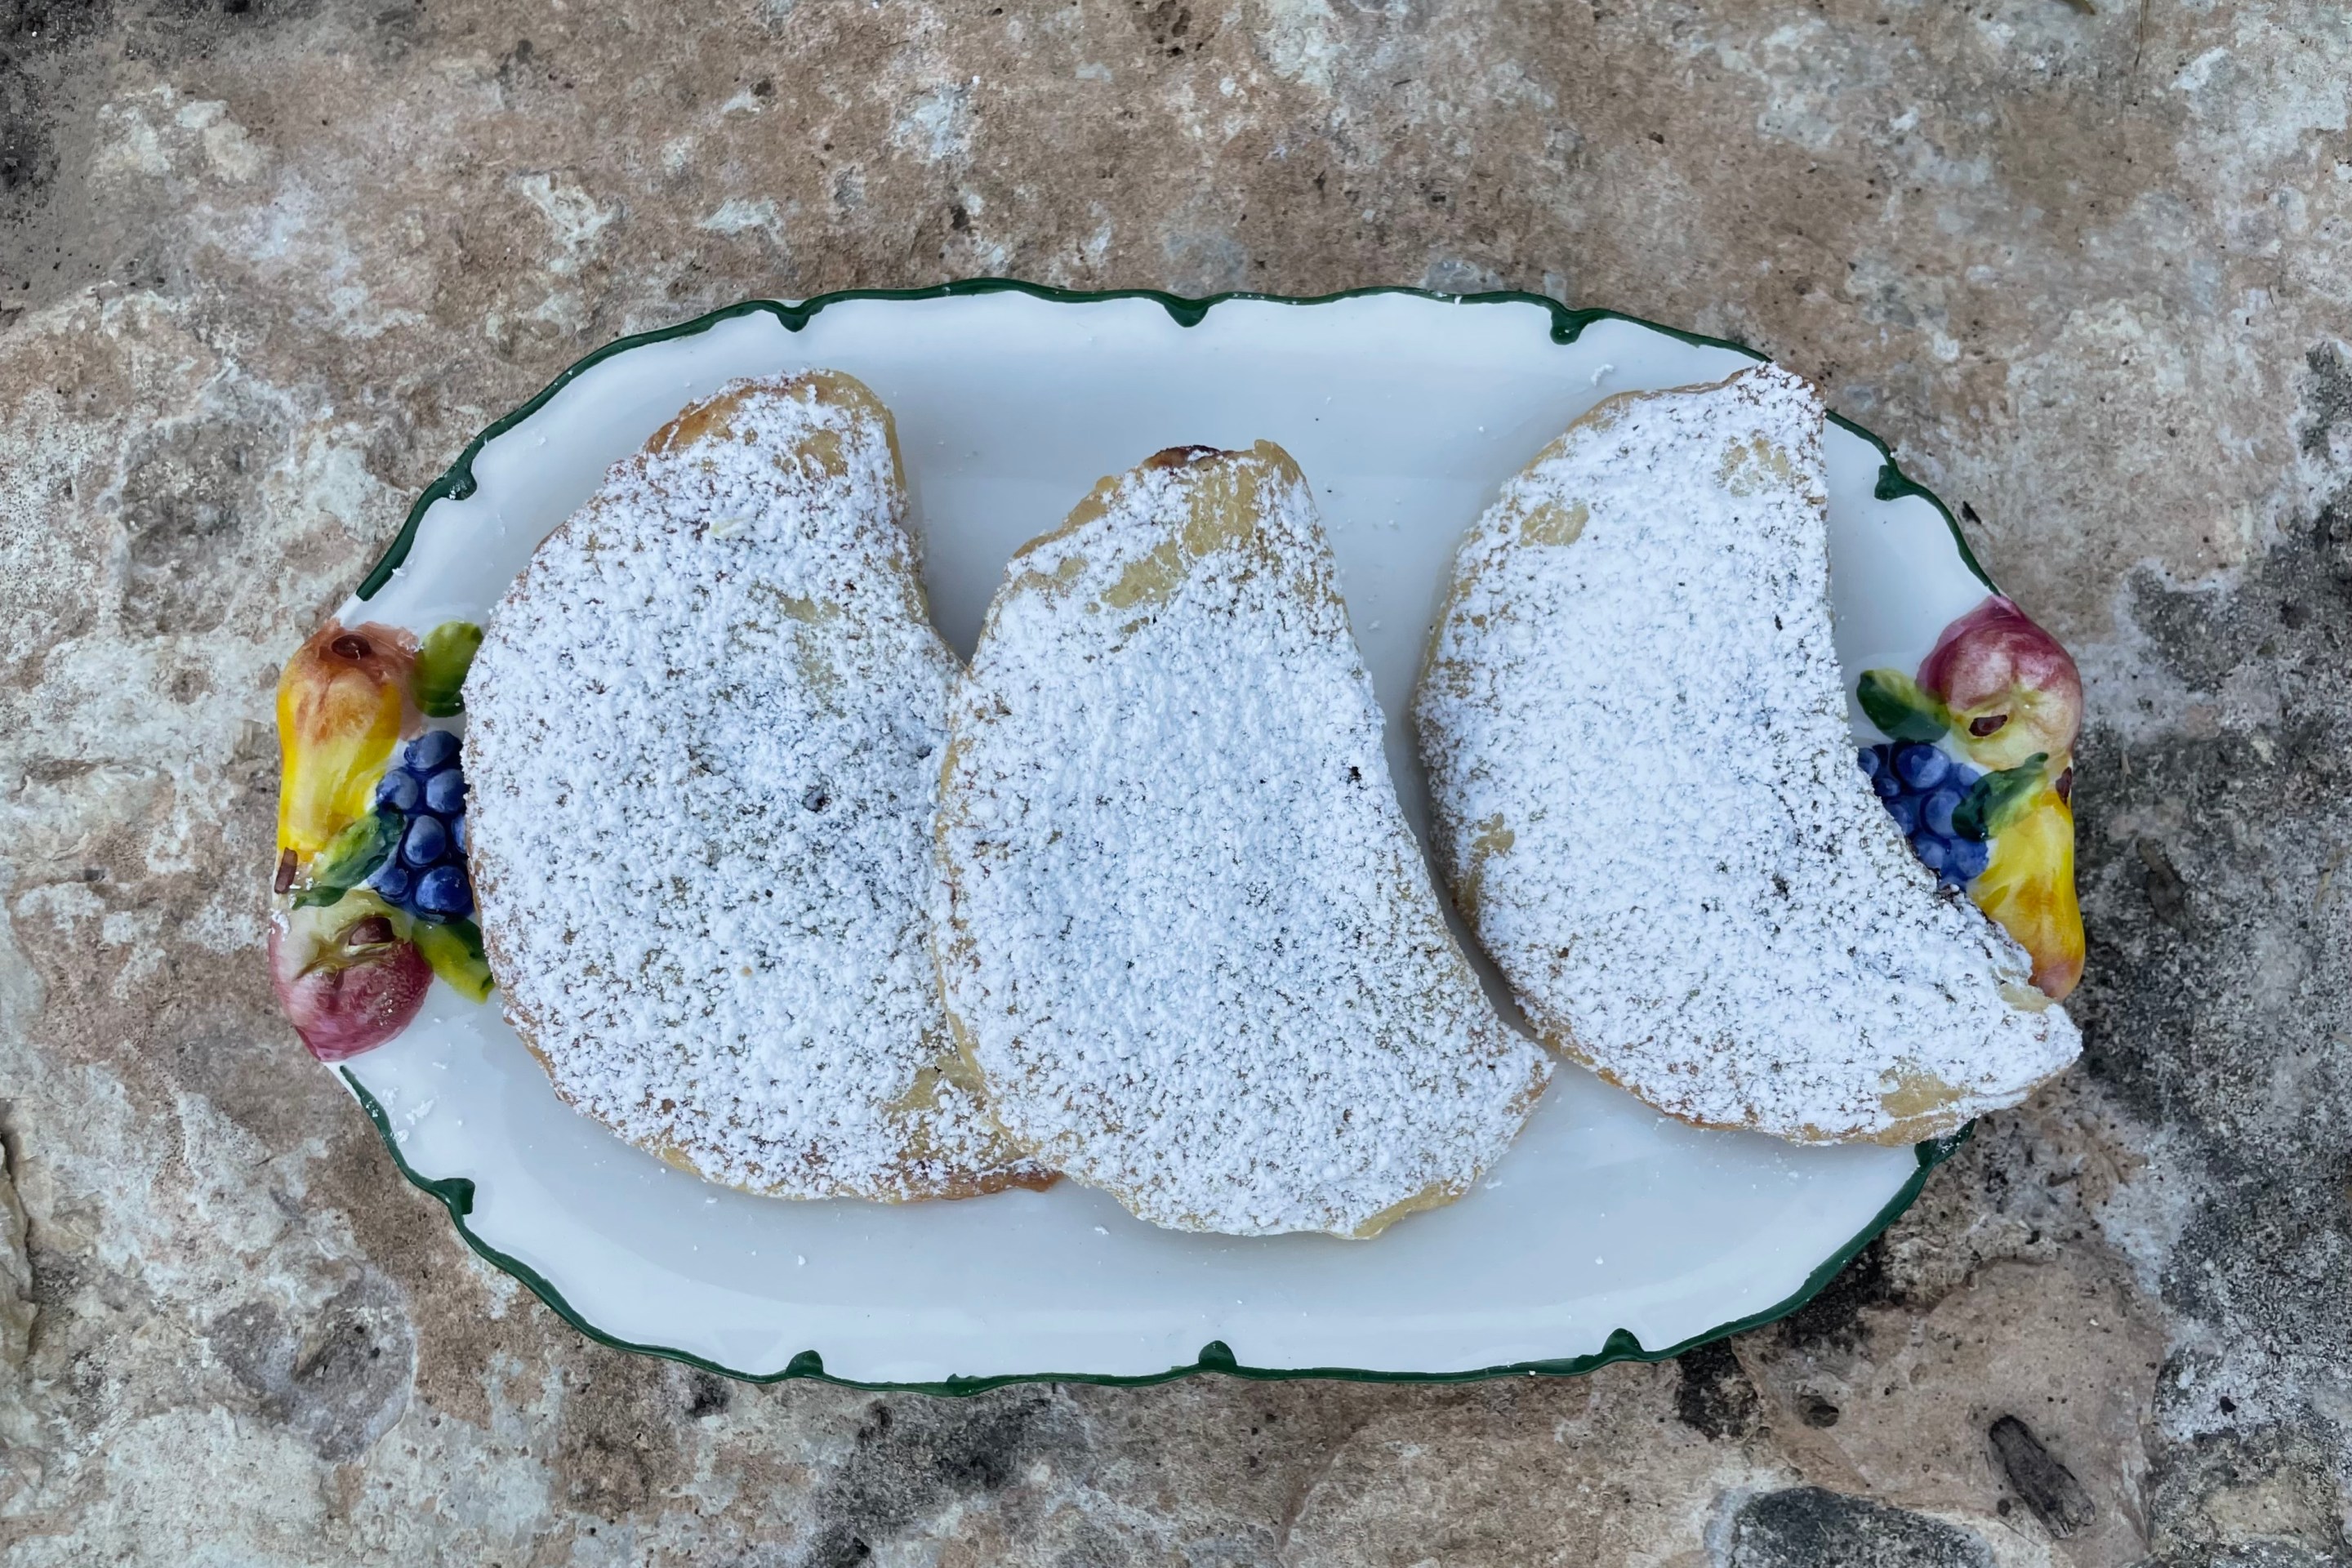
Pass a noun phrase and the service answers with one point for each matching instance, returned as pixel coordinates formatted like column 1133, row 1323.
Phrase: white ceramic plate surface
column 1607, row 1231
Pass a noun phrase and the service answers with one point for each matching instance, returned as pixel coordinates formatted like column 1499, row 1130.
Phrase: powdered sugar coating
column 703, row 736
column 1193, row 944
column 1635, row 725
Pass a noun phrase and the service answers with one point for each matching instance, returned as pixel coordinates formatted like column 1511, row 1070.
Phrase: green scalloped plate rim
column 1567, row 325
column 457, row 1193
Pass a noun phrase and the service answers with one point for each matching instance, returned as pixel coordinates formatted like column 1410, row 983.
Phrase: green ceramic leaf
column 350, row 858
column 1896, row 705
column 455, row 952
column 441, row 667
column 1994, row 798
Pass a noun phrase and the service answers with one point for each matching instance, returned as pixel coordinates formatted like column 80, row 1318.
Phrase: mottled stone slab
column 265, row 267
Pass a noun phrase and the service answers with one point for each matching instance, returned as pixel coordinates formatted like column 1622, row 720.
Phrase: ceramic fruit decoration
column 346, row 979
column 1978, row 772
column 343, row 701
column 372, row 895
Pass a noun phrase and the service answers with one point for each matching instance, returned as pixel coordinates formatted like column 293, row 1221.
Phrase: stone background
column 265, row 264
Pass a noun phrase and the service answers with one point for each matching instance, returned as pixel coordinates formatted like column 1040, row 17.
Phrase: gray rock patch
column 1807, row 1526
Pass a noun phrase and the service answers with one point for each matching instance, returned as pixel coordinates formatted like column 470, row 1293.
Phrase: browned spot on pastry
column 1177, row 456
column 1552, row 523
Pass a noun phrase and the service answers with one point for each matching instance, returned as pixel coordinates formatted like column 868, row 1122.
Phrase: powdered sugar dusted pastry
column 703, row 737
column 1192, row 944
column 1646, row 799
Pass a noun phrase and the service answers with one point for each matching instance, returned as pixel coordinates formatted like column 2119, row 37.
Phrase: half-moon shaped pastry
column 1192, row 945
column 703, row 735
column 1647, row 805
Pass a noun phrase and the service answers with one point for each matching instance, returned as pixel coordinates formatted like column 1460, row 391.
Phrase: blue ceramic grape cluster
column 1922, row 789
column 424, row 794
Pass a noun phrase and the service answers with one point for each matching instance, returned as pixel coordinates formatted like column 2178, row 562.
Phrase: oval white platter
column 1607, row 1232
